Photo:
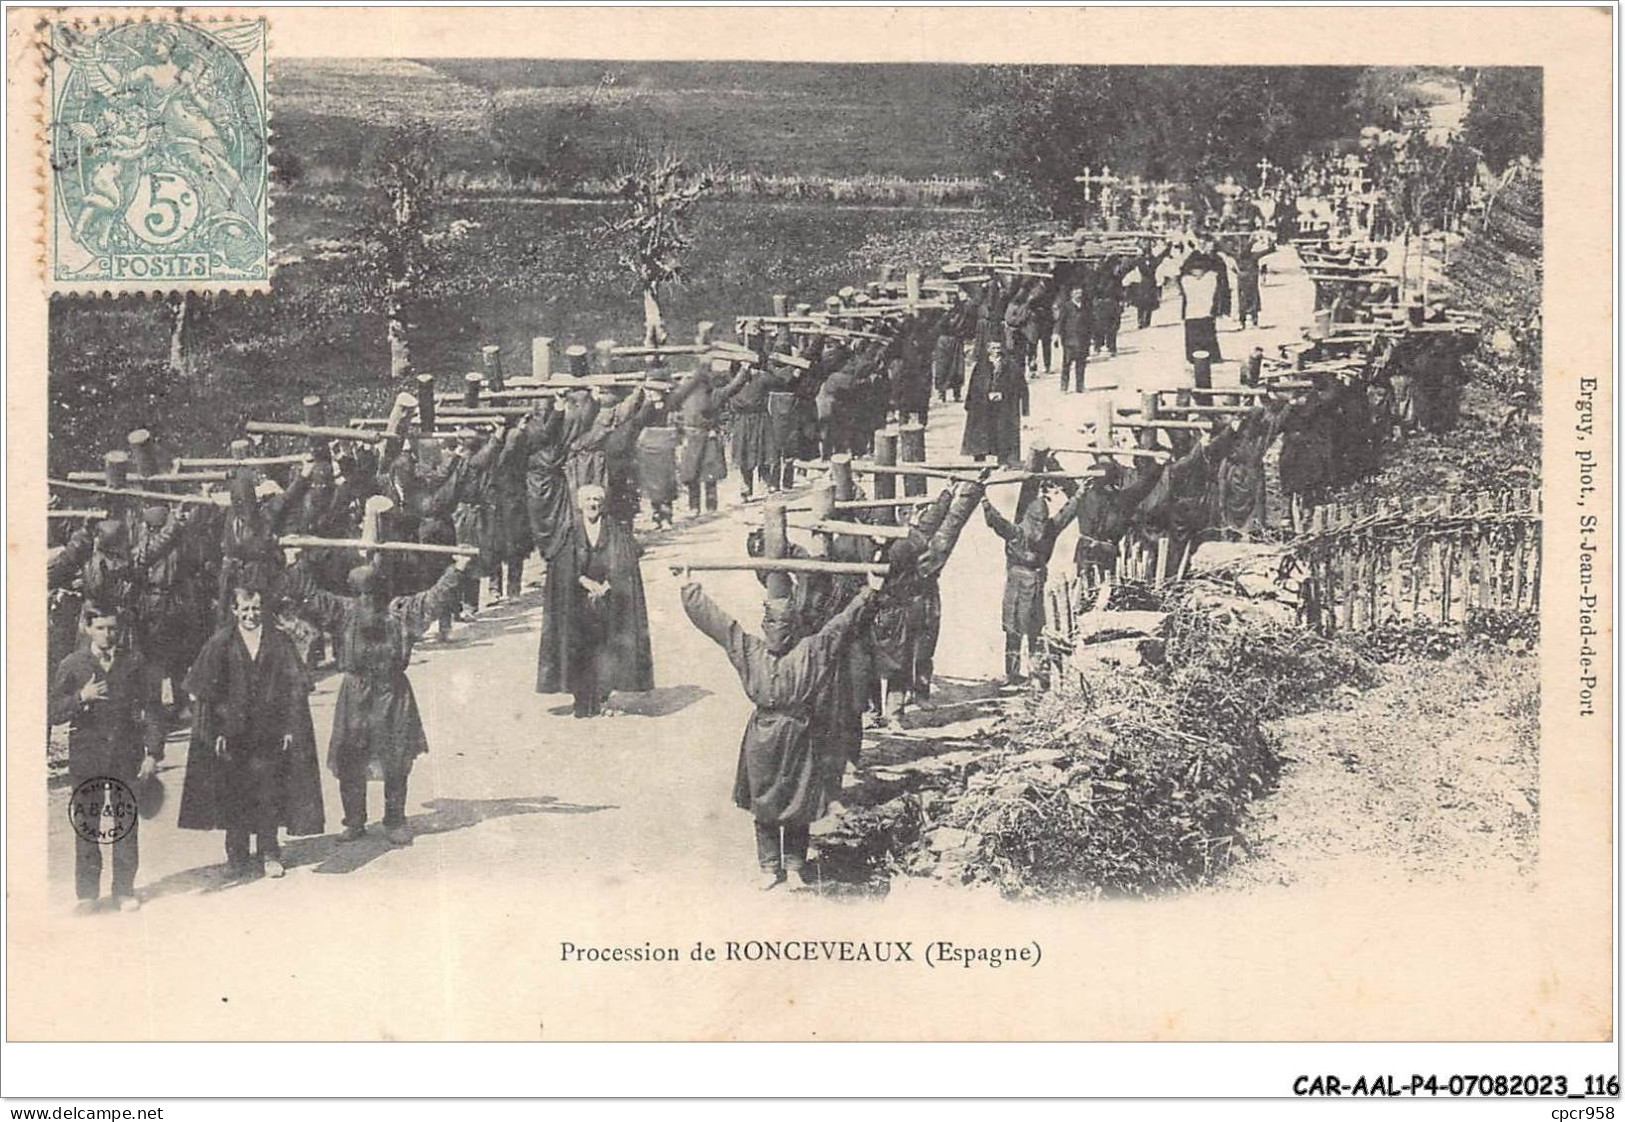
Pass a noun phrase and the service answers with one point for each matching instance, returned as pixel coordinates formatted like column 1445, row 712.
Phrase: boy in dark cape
column 251, row 766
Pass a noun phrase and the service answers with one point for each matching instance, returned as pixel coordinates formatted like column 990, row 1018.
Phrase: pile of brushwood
column 1484, row 629
column 1134, row 783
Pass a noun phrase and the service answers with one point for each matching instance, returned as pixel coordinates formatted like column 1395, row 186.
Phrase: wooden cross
column 1089, row 179
column 372, row 539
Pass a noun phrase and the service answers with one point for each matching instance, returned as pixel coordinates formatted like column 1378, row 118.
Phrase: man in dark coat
column 108, row 696
column 376, row 726
column 1076, row 325
column 1144, row 291
column 251, row 767
column 595, row 623
column 993, row 406
column 787, row 777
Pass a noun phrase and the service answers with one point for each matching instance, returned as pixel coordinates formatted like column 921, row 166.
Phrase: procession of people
column 217, row 610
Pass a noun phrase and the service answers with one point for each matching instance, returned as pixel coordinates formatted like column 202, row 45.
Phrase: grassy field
column 815, row 136
column 565, row 121
column 526, row 268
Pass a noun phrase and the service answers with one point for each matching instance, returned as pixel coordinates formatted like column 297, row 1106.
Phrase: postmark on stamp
column 102, row 810
column 158, row 144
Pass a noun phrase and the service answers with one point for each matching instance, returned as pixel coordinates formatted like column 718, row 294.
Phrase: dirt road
column 519, row 809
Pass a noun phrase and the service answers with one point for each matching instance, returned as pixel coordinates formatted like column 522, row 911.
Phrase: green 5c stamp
column 158, row 135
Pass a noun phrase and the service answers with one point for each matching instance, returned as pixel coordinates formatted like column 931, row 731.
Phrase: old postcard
column 863, row 524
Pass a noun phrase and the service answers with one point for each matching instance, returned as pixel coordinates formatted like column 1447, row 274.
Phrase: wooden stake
column 491, row 362
column 885, row 457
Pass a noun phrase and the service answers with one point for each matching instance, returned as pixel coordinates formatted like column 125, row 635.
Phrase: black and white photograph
column 524, row 533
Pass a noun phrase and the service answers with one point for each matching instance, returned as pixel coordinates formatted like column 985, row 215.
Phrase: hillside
column 563, row 121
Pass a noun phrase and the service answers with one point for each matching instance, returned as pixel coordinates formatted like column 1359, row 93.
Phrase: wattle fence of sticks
column 1363, row 565
column 1434, row 558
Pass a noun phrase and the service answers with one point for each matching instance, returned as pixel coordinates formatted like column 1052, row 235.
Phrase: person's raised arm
column 298, row 588
column 417, row 610
column 716, row 624
column 997, row 522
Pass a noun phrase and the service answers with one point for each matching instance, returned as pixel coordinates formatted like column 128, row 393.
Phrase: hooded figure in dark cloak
column 595, row 622
column 251, row 767
column 907, row 624
column 549, row 439
column 1104, row 507
column 1029, row 542
column 376, row 727
column 249, row 552
column 787, row 774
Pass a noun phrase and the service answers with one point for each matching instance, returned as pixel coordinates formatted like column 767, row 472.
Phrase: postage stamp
column 158, row 139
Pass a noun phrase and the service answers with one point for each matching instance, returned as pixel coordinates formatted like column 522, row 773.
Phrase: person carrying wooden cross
column 755, row 451
column 701, row 461
column 1029, row 542
column 787, row 774
column 903, row 635
column 376, row 726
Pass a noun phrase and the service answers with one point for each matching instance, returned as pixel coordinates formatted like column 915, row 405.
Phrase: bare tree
column 403, row 172
column 652, row 232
